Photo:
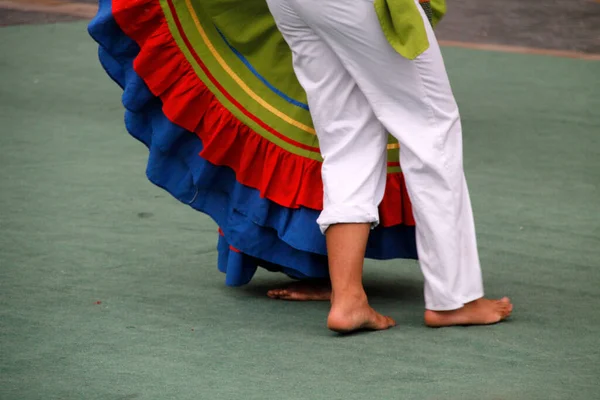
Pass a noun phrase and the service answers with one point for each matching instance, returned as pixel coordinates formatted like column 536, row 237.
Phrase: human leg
column 353, row 145
column 414, row 101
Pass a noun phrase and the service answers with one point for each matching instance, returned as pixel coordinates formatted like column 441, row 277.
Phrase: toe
column 505, row 312
column 502, row 309
column 390, row 322
column 383, row 322
column 276, row 293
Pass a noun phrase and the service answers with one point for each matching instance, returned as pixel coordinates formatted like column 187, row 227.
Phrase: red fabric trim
column 287, row 179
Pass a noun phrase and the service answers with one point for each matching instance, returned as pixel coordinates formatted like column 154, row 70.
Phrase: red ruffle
column 287, row 179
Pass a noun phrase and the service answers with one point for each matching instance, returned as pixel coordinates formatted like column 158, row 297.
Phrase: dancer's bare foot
column 353, row 315
column 479, row 312
column 316, row 290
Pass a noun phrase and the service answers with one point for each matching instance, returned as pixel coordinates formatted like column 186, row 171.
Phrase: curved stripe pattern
column 262, row 78
column 232, row 73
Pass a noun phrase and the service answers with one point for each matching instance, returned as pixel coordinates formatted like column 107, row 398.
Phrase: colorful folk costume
column 210, row 89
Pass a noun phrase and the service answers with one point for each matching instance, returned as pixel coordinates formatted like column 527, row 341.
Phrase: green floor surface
column 80, row 224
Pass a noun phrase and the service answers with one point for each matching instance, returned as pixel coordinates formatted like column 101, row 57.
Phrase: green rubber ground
column 80, row 224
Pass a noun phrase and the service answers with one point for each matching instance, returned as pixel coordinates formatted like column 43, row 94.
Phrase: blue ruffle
column 266, row 234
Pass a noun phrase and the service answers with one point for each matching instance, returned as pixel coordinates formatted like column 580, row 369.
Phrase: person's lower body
column 358, row 88
column 242, row 150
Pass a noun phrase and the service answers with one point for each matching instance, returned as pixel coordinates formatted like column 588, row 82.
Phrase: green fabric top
column 403, row 26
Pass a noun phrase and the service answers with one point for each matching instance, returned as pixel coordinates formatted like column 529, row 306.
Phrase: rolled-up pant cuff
column 348, row 214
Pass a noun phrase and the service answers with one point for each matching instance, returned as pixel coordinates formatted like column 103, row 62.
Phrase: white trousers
column 358, row 88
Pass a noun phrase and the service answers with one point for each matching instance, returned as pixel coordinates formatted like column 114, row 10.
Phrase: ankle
column 349, row 297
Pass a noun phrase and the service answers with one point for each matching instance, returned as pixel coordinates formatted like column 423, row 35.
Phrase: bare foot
column 349, row 316
column 316, row 290
column 479, row 312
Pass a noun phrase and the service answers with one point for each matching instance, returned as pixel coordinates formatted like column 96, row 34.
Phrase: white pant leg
column 414, row 102
column 352, row 141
